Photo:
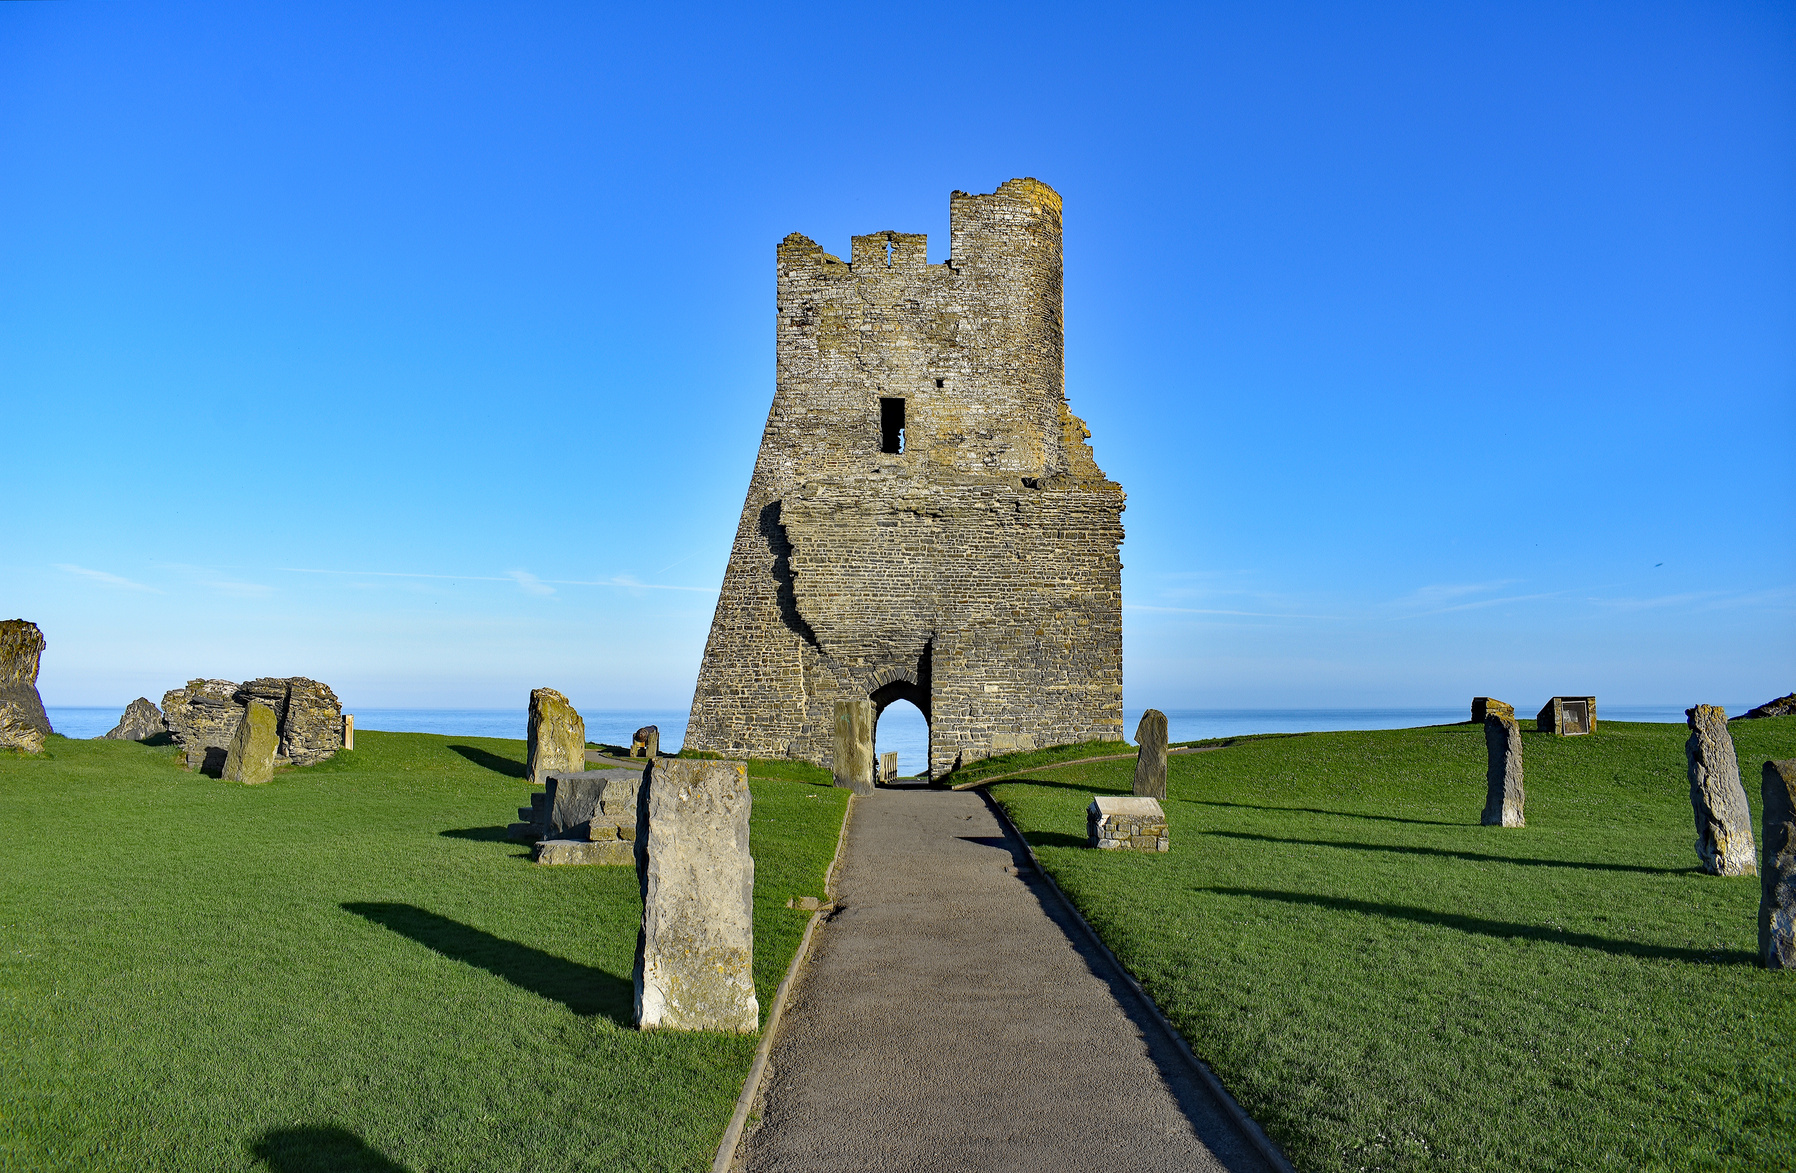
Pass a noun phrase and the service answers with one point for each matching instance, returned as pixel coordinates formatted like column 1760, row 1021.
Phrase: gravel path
column 952, row 1018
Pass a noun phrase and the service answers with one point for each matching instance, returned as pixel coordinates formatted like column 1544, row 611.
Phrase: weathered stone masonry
column 975, row 573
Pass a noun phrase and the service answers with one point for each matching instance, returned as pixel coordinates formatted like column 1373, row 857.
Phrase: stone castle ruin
column 925, row 521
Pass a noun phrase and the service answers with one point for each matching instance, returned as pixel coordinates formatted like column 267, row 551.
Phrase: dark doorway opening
column 891, row 425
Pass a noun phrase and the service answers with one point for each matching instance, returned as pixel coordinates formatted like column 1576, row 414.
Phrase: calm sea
column 901, row 727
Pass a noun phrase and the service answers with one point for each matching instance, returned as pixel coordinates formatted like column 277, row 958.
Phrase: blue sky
column 424, row 349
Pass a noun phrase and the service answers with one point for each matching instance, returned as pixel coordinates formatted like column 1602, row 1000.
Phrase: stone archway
column 902, row 690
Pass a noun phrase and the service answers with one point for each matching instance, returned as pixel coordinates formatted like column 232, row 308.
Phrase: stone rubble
column 1126, row 823
column 1150, row 757
column 1717, row 798
column 1504, row 798
column 141, row 719
column 557, row 737
column 23, row 722
column 695, row 954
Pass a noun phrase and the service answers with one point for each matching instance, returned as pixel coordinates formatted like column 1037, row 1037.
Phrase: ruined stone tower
column 925, row 521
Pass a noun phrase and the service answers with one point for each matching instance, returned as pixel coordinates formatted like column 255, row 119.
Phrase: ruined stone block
column 556, row 738
column 1150, row 755
column 590, row 804
column 250, row 756
column 1126, row 824
column 1567, row 716
column 203, row 716
column 584, row 852
column 1717, row 797
column 695, row 954
column 307, row 713
column 141, row 719
column 852, row 761
column 1504, row 799
column 925, row 520
column 1777, row 876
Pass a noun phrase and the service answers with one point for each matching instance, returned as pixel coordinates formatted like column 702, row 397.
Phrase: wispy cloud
column 1212, row 611
column 109, row 579
column 1482, row 603
column 532, row 585
column 242, row 590
column 629, row 582
column 1435, row 594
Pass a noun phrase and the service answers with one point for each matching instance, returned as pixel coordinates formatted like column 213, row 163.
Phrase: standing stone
column 1503, row 767
column 203, row 717
column 852, row 762
column 1777, row 879
column 141, row 719
column 23, row 722
column 1723, row 821
column 250, row 757
column 646, row 743
column 557, row 737
column 1150, row 755
column 695, row 954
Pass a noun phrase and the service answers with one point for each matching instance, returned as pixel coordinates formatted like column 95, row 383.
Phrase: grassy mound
column 349, row 968
column 1385, row 984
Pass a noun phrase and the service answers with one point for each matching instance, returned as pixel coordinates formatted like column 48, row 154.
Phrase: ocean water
column 901, row 727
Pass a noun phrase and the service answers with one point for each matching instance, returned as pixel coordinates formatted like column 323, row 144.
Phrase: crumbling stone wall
column 205, row 714
column 976, row 573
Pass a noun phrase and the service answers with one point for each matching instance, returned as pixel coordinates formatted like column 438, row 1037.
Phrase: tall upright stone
column 926, row 520
column 1150, row 755
column 1503, row 796
column 1777, row 878
column 1723, row 820
column 852, row 761
column 695, row 953
column 23, row 722
column 557, row 737
column 141, row 719
column 250, row 756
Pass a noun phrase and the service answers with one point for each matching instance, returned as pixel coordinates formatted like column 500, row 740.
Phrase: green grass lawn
column 349, row 968
column 1385, row 984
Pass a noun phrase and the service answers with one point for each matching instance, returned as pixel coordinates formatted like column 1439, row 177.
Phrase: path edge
column 1267, row 1148
column 725, row 1160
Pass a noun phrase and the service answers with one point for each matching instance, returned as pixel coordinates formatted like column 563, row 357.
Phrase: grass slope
column 1384, row 984
column 350, row 968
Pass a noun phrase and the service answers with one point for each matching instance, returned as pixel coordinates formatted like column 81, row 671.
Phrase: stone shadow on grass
column 320, row 1150
column 1501, row 930
column 479, row 834
column 492, row 761
column 1313, row 810
column 1473, row 856
column 584, row 989
column 1056, row 839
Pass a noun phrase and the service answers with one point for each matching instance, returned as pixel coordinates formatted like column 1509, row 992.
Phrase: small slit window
column 891, row 425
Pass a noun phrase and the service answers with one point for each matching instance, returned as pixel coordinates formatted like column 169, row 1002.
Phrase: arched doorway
column 901, row 724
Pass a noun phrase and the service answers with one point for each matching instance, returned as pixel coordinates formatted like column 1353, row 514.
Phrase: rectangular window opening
column 891, row 425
